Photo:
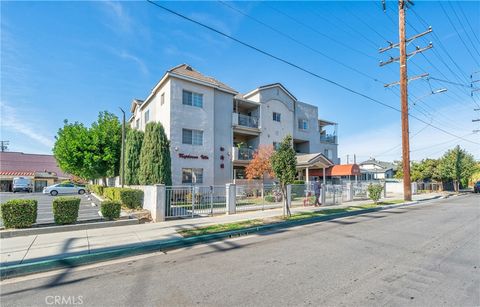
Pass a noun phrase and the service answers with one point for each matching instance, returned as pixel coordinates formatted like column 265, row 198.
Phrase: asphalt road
column 44, row 208
column 423, row 255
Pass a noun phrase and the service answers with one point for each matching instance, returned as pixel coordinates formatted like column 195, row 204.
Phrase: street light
column 122, row 175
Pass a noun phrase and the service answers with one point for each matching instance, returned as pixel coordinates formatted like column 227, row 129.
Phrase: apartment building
column 214, row 130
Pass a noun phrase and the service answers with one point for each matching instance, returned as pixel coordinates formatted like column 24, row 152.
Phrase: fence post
column 159, row 199
column 349, row 191
column 289, row 195
column 323, row 194
column 414, row 188
column 384, row 189
column 231, row 193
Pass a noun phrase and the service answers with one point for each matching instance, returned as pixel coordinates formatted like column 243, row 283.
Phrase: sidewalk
column 28, row 249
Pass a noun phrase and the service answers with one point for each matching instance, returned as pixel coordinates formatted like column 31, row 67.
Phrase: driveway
column 45, row 213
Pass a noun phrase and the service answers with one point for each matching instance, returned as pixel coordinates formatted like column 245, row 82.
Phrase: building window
column 302, row 124
column 192, row 137
column 276, row 145
column 192, row 99
column 276, row 116
column 162, row 99
column 328, row 153
column 147, row 116
column 137, row 123
column 192, row 175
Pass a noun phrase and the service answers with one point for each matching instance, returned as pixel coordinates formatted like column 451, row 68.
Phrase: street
column 44, row 208
column 422, row 255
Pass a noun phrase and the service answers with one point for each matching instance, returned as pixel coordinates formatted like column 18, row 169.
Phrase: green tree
column 155, row 162
column 103, row 158
column 133, row 147
column 456, row 165
column 90, row 153
column 71, row 143
column 425, row 170
column 284, row 164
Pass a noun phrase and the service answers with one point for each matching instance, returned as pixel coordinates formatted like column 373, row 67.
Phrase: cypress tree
column 133, row 147
column 155, row 162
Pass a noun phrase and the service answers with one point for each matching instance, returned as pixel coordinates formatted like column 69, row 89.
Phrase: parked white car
column 63, row 188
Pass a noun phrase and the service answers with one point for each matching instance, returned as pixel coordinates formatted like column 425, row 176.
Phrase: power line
column 468, row 22
column 461, row 23
column 298, row 67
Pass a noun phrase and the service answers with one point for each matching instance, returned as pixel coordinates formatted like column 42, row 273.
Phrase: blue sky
column 70, row 60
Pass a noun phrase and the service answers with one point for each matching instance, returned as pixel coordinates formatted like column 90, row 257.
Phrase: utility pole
column 122, row 175
column 403, row 82
column 4, row 145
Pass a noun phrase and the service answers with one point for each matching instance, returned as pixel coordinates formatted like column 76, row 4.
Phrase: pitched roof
column 312, row 160
column 19, row 162
column 188, row 71
column 383, row 164
column 277, row 84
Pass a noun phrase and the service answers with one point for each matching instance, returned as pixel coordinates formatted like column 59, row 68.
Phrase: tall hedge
column 155, row 162
column 19, row 213
column 133, row 147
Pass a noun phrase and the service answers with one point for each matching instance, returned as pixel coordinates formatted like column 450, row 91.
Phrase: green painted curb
column 74, row 261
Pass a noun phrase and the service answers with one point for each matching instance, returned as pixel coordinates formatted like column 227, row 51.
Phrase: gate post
column 385, row 189
column 323, row 194
column 289, row 195
column 231, row 193
column 349, row 191
column 159, row 199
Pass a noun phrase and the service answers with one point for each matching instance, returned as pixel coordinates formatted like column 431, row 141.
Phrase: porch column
column 307, row 180
column 324, row 177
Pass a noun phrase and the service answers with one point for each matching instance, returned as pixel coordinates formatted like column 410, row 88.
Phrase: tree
column 284, row 165
column 456, row 165
column 425, row 170
column 90, row 153
column 155, row 162
column 103, row 158
column 133, row 148
column 260, row 164
column 71, row 143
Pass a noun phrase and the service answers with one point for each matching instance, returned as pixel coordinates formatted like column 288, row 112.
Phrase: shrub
column 375, row 192
column 269, row 198
column 298, row 182
column 131, row 198
column 110, row 209
column 95, row 188
column 19, row 213
column 65, row 210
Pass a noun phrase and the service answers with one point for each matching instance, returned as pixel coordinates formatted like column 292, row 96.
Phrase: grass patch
column 198, row 231
column 204, row 230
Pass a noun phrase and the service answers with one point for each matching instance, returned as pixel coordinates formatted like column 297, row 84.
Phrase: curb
column 73, row 261
column 4, row 234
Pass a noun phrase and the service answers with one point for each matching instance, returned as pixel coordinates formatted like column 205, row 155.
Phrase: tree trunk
column 104, row 179
column 285, row 202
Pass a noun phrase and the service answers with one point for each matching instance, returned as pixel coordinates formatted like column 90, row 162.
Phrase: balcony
column 245, row 124
column 242, row 154
column 328, row 138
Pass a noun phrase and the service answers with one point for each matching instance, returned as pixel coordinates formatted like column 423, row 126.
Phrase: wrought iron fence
column 195, row 201
column 258, row 197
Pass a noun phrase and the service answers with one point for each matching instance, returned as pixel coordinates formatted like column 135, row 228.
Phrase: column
column 231, row 192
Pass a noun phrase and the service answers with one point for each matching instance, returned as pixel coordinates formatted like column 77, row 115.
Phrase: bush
column 65, row 210
column 110, row 209
column 95, row 188
column 269, row 198
column 298, row 182
column 375, row 192
column 131, row 198
column 111, row 193
column 19, row 213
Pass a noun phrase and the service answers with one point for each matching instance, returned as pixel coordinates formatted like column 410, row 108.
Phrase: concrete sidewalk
column 28, row 249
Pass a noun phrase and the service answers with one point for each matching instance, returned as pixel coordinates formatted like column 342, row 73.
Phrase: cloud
column 120, row 20
column 141, row 65
column 21, row 125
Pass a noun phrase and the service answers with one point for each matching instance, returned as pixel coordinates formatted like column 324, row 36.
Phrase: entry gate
column 195, row 201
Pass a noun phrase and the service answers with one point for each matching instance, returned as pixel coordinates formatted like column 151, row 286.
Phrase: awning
column 337, row 171
column 16, row 173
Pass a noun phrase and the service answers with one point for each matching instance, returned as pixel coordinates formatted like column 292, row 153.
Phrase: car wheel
column 53, row 193
column 81, row 192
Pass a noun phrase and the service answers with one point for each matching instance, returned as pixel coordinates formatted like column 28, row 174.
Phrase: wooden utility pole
column 407, row 187
column 403, row 82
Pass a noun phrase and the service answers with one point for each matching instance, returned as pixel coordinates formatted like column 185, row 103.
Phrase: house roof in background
column 382, row 164
column 17, row 163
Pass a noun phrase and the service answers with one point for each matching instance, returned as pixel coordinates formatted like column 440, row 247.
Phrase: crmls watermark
column 63, row 300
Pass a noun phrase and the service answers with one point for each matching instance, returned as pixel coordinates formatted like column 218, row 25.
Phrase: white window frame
column 162, row 99
column 196, row 99
column 303, row 124
column 277, row 117
column 196, row 138
column 196, row 175
column 137, row 123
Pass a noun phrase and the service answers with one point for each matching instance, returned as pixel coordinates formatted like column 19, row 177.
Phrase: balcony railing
column 328, row 138
column 245, row 120
column 243, row 154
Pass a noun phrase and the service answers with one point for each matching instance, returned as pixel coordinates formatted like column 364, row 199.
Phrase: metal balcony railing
column 243, row 154
column 328, row 138
column 247, row 121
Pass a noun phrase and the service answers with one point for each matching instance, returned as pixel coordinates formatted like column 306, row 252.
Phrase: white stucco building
column 214, row 130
